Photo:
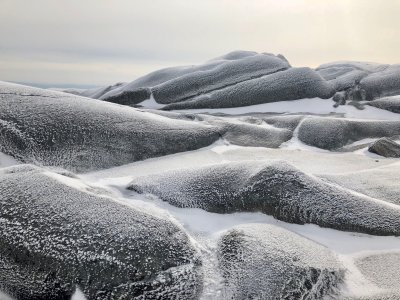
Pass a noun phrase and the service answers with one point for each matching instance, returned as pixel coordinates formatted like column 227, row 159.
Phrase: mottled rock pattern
column 55, row 236
column 260, row 261
column 385, row 147
column 274, row 188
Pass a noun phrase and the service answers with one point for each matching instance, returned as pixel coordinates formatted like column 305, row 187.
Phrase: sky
column 101, row 42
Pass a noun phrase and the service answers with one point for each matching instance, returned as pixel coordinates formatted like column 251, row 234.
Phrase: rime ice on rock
column 82, row 134
column 55, row 236
column 277, row 189
column 260, row 261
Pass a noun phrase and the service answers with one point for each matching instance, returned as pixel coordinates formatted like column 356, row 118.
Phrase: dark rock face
column 55, row 237
column 130, row 97
column 292, row 84
column 385, row 147
column 276, row 189
column 223, row 75
column 81, row 134
column 332, row 133
column 260, row 261
column 389, row 103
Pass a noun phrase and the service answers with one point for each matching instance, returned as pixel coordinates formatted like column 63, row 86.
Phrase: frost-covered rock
column 382, row 84
column 348, row 74
column 333, row 133
column 388, row 103
column 260, row 261
column 382, row 270
column 82, row 134
column 274, row 188
column 380, row 183
column 289, row 122
column 385, row 147
column 223, row 75
column 242, row 78
column 57, row 234
column 157, row 77
column 242, row 133
column 292, row 84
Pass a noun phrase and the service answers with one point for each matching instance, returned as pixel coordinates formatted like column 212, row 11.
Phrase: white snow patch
column 78, row 295
column 151, row 103
column 7, row 161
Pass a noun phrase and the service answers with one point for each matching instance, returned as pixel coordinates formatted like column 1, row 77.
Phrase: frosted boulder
column 158, row 77
column 334, row 133
column 223, row 75
column 385, row 147
column 348, row 74
column 82, row 134
column 260, row 261
column 388, row 103
column 242, row 133
column 274, row 188
column 382, row 84
column 292, row 84
column 60, row 234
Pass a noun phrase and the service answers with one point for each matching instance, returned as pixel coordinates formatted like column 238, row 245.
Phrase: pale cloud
column 101, row 42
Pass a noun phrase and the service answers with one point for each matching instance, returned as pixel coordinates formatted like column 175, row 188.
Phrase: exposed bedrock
column 82, row 134
column 55, row 237
column 333, row 133
column 260, row 261
column 274, row 188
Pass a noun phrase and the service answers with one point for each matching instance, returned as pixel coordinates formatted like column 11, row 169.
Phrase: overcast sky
column 102, row 42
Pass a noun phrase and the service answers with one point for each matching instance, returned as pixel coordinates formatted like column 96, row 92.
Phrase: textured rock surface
column 380, row 183
column 292, row 84
column 241, row 133
column 274, row 188
column 382, row 84
column 260, row 261
column 385, row 147
column 83, row 134
column 383, row 271
column 223, row 75
column 333, row 133
column 388, row 103
column 55, row 236
column 243, row 78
